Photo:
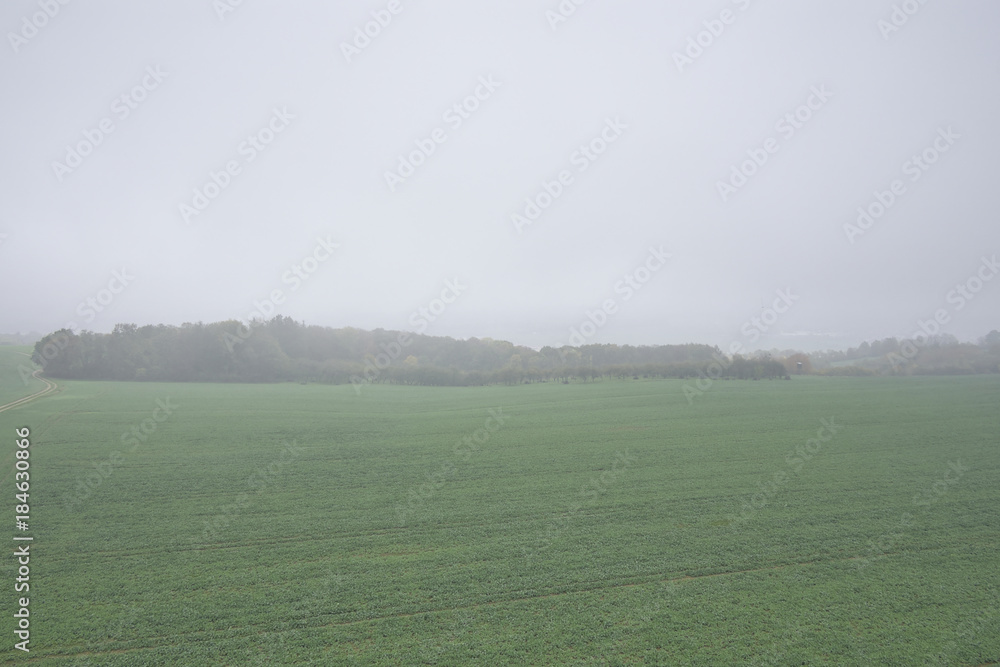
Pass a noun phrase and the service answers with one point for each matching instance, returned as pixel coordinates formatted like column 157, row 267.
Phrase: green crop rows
column 599, row 523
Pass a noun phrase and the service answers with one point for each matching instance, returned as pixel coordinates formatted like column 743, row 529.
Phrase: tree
column 798, row 364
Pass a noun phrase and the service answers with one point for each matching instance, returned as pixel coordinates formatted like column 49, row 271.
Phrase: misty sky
column 122, row 118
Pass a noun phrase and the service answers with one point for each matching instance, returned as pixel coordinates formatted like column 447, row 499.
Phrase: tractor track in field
column 257, row 629
column 192, row 544
column 49, row 388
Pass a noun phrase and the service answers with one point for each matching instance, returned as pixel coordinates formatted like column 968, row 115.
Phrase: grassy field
column 812, row 521
column 12, row 387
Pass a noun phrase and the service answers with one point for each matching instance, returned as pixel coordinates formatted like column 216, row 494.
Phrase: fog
column 640, row 172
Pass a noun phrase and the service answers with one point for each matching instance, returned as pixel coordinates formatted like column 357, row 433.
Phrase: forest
column 281, row 349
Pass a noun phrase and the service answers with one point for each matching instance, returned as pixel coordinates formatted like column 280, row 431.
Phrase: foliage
column 284, row 350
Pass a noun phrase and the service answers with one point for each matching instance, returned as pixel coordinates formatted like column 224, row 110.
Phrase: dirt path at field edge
column 48, row 389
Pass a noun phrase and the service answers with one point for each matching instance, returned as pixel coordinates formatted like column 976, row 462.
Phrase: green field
column 601, row 523
column 12, row 387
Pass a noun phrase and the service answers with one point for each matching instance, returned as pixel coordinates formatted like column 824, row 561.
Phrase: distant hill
column 19, row 338
column 941, row 354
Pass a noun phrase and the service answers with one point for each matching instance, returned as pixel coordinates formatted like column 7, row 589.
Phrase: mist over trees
column 940, row 354
column 282, row 349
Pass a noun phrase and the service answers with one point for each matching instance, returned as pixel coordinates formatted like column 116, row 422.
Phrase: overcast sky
column 627, row 123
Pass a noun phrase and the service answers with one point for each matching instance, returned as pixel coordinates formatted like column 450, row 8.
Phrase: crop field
column 840, row 521
column 12, row 387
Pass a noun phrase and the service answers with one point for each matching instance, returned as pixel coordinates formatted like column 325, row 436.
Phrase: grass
column 12, row 386
column 601, row 523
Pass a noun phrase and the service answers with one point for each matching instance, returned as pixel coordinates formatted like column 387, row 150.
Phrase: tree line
column 281, row 349
column 939, row 354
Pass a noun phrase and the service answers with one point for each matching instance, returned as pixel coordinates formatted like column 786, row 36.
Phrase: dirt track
column 49, row 388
